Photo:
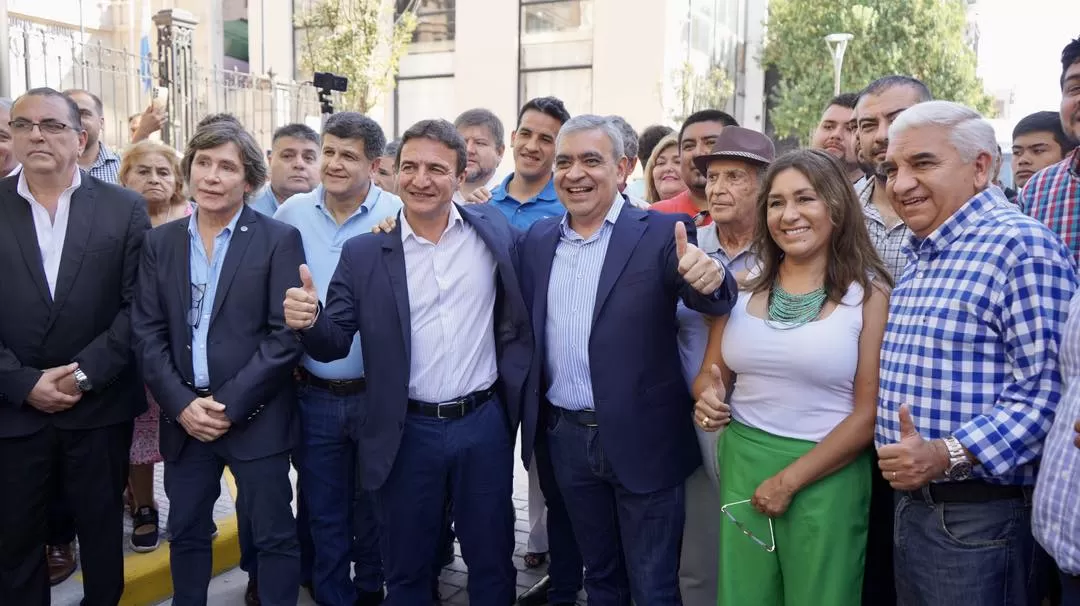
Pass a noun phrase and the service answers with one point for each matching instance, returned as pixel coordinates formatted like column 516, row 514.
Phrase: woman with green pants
column 799, row 357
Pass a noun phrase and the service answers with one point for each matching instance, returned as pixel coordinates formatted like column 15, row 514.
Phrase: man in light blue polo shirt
column 346, row 204
column 528, row 194
column 294, row 167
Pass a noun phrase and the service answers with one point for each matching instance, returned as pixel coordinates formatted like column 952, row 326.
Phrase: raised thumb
column 305, row 278
column 907, row 426
column 680, row 239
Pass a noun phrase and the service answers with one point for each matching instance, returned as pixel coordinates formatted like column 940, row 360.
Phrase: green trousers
column 820, row 540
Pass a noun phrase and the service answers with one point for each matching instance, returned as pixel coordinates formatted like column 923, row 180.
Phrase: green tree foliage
column 362, row 40
column 926, row 39
column 695, row 91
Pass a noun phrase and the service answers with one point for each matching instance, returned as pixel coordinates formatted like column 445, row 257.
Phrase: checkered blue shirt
column 1053, row 197
column 107, row 165
column 1053, row 519
column 972, row 338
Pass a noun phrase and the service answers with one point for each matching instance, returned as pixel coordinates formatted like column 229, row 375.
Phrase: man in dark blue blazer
column 447, row 348
column 215, row 352
column 606, row 403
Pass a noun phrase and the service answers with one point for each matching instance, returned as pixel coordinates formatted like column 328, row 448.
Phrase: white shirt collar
column 407, row 230
column 23, row 188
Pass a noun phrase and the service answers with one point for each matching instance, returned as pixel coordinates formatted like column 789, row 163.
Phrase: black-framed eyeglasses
column 770, row 546
column 52, row 127
column 699, row 219
column 198, row 293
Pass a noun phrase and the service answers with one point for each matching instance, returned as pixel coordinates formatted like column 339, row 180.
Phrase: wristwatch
column 82, row 381
column 959, row 466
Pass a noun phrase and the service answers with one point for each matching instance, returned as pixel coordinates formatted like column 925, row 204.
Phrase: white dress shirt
column 51, row 230
column 452, row 310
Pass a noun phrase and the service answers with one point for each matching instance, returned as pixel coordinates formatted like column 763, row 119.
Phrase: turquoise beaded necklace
column 792, row 311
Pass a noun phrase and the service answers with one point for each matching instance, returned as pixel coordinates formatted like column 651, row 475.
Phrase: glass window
column 435, row 24
column 556, row 16
column 418, row 99
column 573, row 86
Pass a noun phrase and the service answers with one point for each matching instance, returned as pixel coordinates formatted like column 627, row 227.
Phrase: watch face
column 959, row 471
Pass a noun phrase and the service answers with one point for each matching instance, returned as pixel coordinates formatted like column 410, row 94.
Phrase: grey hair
column 6, row 103
column 216, row 134
column 969, row 133
column 630, row 136
column 585, row 122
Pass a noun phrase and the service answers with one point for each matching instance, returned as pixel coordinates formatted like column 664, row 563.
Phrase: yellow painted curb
column 147, row 578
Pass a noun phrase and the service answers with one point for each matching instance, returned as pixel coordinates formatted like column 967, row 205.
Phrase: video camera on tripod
column 327, row 83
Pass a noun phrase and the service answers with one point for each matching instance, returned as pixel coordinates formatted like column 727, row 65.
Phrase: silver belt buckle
column 460, row 405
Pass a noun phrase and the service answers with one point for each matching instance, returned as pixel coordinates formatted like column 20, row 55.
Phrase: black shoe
column 144, row 518
column 537, row 595
column 369, row 598
column 251, row 595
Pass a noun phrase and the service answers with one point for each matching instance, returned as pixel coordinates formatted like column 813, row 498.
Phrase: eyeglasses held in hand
column 52, row 127
column 770, row 546
column 198, row 293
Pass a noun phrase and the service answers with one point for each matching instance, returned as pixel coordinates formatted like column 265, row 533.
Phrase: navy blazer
column 89, row 319
column 643, row 407
column 370, row 294
column 251, row 353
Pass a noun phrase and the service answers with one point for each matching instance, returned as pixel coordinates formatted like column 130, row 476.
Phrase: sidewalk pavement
column 147, row 578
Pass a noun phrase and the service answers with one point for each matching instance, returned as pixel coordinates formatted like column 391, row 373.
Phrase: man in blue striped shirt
column 347, row 204
column 969, row 372
column 607, row 404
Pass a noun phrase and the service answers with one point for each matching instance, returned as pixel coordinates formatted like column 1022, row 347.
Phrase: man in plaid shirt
column 96, row 159
column 1053, row 194
column 969, row 371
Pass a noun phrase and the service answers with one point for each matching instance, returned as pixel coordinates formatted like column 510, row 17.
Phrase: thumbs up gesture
column 696, row 267
column 914, row 461
column 301, row 304
column 710, row 411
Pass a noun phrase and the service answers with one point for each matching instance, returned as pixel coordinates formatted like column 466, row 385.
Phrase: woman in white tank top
column 797, row 363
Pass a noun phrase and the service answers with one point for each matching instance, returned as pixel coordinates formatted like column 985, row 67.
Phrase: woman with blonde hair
column 661, row 174
column 793, row 374
column 152, row 170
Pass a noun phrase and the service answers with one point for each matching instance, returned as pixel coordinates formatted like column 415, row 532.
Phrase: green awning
column 236, row 39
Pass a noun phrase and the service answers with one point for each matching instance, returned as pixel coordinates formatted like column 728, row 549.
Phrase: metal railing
column 57, row 57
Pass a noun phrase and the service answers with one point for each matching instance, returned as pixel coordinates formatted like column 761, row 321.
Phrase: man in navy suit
column 214, row 350
column 447, row 347
column 607, row 404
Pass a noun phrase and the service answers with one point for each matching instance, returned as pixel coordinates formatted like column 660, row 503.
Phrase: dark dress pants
column 565, row 567
column 193, row 484
column 93, row 465
column 472, row 460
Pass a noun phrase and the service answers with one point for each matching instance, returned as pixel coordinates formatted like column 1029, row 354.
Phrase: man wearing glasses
column 70, row 245
column 210, row 336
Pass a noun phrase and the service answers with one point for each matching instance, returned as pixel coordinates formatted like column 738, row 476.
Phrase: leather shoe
column 61, row 559
column 369, row 598
column 251, row 596
column 537, row 595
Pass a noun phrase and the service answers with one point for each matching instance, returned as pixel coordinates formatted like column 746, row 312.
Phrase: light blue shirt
column 575, row 275
column 522, row 214
column 265, row 202
column 323, row 239
column 205, row 273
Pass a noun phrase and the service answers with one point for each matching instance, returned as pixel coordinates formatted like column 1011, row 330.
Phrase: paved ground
column 227, row 589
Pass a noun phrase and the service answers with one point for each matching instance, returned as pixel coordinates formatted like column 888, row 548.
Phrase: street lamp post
column 837, row 45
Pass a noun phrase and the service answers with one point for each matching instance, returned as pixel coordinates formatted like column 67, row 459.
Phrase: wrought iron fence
column 58, row 57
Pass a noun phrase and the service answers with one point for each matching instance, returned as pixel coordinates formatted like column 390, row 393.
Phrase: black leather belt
column 970, row 491
column 452, row 410
column 338, row 387
column 202, row 392
column 586, row 418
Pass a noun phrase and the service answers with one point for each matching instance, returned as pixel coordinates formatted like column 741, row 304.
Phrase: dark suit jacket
column 643, row 407
column 250, row 351
column 370, row 294
column 89, row 320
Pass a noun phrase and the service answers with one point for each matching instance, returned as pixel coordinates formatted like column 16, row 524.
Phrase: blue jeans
column 973, row 554
column 630, row 542
column 472, row 460
column 340, row 531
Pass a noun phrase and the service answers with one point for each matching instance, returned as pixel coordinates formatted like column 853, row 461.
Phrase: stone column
column 176, row 71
